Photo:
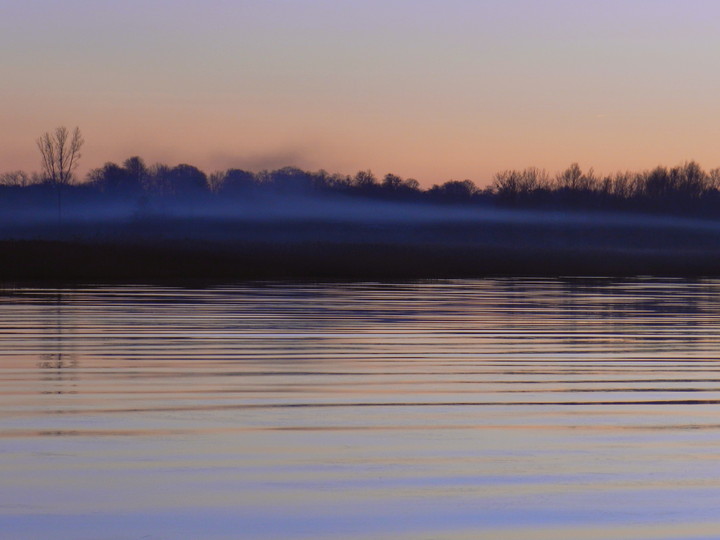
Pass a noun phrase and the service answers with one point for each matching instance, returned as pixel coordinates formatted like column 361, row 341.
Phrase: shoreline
column 176, row 250
column 63, row 262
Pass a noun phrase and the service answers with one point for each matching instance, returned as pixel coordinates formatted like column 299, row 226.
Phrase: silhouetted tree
column 60, row 156
column 395, row 187
column 130, row 179
column 181, row 179
column 515, row 185
column 365, row 183
column 364, row 179
column 656, row 183
column 237, row 181
column 215, row 181
column 454, row 190
column 137, row 171
column 623, row 185
column 336, row 182
column 713, row 179
column 691, row 180
column 291, row 179
column 321, row 180
column 411, row 184
column 15, row 179
column 392, row 182
column 571, row 178
column 110, row 177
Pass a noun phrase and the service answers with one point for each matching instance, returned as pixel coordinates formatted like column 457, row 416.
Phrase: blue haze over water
column 498, row 409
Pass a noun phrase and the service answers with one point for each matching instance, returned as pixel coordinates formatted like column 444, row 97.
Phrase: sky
column 433, row 90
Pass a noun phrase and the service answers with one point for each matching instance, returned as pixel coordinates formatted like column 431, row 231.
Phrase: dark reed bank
column 228, row 251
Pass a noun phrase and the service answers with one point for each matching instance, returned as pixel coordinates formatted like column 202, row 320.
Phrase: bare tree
column 15, row 179
column 60, row 156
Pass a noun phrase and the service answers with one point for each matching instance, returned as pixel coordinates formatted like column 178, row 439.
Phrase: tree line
column 685, row 189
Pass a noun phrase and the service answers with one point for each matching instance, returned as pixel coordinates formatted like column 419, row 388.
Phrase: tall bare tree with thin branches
column 60, row 157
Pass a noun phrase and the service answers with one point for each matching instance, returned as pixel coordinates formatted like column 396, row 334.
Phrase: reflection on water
column 471, row 409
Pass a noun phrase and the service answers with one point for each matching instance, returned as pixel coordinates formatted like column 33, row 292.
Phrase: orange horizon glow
column 426, row 90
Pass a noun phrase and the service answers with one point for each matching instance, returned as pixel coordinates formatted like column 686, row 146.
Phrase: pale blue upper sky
column 429, row 89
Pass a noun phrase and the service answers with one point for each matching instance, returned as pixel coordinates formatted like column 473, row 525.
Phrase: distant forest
column 686, row 189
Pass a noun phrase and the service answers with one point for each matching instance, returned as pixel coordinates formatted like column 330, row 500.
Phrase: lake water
column 493, row 409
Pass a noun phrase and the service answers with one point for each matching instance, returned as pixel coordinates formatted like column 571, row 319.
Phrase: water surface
column 495, row 409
